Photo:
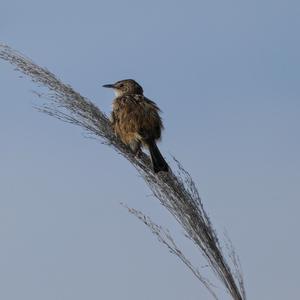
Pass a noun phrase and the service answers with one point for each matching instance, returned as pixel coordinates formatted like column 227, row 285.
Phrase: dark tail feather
column 158, row 162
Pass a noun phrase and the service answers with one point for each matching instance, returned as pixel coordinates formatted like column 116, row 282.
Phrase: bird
column 136, row 121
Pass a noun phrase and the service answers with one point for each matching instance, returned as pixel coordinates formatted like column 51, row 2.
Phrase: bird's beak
column 109, row 86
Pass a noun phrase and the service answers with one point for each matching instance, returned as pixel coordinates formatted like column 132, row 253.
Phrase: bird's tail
column 158, row 162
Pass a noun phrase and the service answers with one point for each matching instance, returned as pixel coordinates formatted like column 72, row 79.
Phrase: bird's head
column 125, row 87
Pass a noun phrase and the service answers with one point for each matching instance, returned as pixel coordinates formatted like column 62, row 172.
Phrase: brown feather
column 136, row 120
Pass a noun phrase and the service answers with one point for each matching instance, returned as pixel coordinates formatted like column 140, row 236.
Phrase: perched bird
column 135, row 119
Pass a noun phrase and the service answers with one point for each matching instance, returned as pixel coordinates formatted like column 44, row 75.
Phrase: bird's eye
column 121, row 85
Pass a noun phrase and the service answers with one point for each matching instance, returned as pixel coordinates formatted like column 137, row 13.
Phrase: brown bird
column 136, row 121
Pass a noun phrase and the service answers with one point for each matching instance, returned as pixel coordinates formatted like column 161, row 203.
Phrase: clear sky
column 226, row 75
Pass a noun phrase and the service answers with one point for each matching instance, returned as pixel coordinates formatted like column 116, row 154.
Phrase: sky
column 226, row 76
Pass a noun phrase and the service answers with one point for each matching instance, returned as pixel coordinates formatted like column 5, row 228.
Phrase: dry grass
column 177, row 193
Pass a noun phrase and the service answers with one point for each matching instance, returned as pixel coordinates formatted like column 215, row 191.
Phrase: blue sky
column 226, row 76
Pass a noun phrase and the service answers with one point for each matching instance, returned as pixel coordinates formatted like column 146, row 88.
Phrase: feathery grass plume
column 177, row 193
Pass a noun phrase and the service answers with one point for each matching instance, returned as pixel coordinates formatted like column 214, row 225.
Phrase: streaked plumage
column 136, row 120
